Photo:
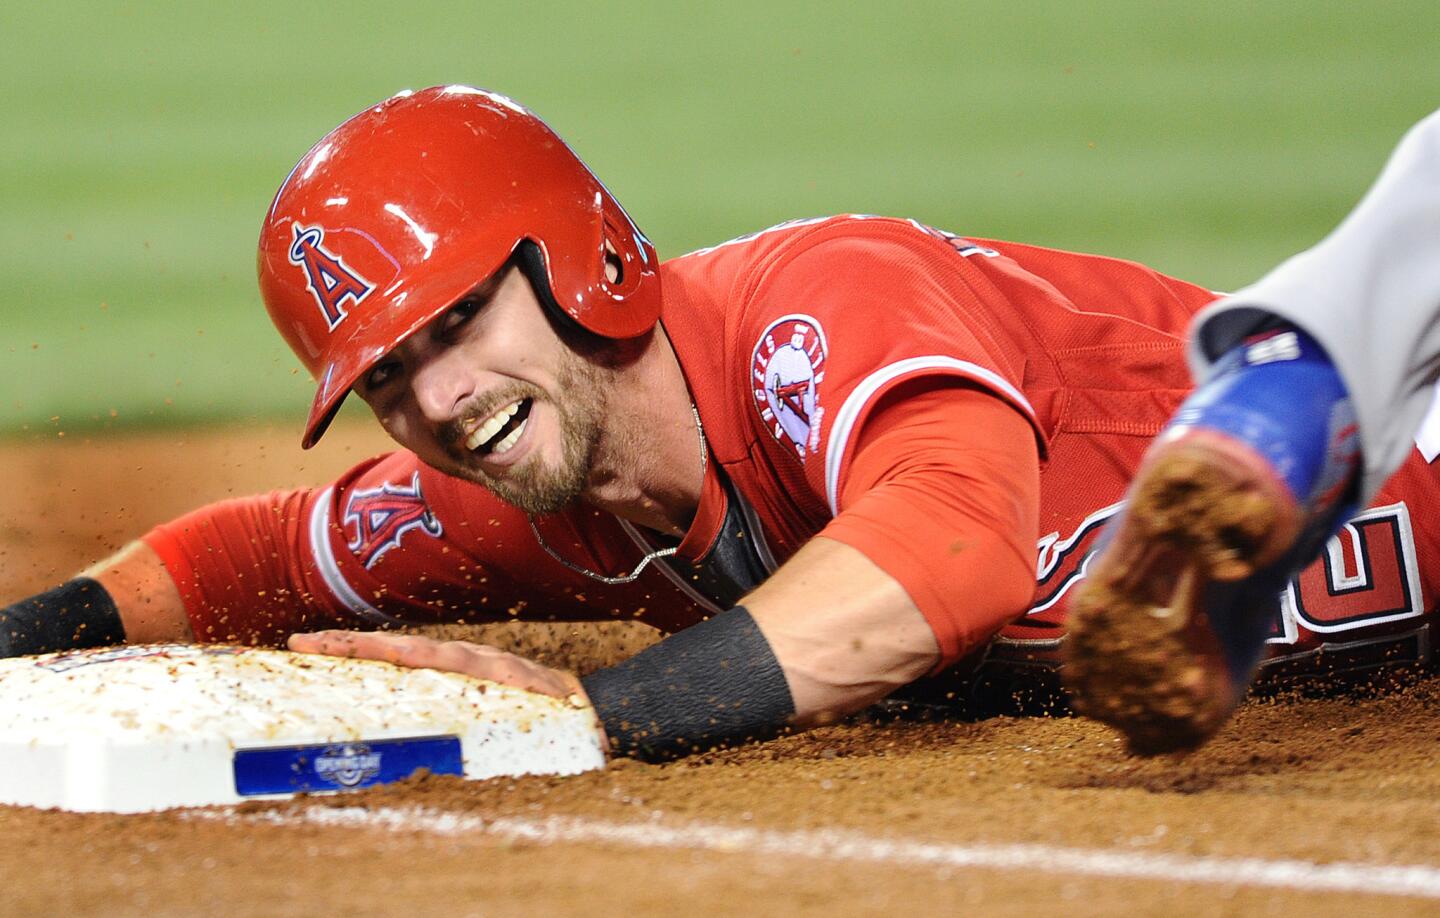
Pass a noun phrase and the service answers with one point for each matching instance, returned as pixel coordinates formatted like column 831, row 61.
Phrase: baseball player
column 820, row 457
column 1313, row 383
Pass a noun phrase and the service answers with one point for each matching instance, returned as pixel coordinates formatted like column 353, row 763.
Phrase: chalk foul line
column 841, row 845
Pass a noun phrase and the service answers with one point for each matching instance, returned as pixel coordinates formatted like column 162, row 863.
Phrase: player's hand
column 479, row 660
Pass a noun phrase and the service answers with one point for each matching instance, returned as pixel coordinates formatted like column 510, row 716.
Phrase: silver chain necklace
column 649, row 556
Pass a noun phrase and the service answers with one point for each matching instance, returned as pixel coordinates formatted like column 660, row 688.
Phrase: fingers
column 403, row 649
column 364, row 644
column 478, row 660
column 335, row 643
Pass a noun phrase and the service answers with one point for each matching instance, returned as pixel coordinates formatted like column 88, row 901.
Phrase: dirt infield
column 1305, row 806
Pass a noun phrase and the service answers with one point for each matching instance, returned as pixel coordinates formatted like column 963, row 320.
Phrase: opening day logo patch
column 330, row 280
column 787, row 368
column 348, row 765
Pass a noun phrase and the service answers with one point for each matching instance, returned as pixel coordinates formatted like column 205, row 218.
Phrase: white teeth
column 491, row 426
column 510, row 438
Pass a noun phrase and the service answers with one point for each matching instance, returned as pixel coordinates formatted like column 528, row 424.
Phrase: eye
column 454, row 318
column 381, row 374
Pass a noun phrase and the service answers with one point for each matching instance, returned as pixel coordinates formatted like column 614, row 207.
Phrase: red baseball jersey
column 801, row 345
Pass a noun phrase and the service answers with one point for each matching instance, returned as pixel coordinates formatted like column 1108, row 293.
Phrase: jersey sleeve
column 391, row 543
column 940, row 489
column 857, row 308
column 943, row 495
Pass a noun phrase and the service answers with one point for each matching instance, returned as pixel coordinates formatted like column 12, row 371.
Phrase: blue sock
column 1278, row 392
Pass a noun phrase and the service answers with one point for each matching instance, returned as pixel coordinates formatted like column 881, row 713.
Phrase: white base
column 150, row 727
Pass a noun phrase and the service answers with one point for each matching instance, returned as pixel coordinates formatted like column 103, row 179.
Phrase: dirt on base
column 1352, row 778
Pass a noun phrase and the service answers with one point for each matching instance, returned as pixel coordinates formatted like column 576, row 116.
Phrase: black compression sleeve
column 77, row 613
column 713, row 684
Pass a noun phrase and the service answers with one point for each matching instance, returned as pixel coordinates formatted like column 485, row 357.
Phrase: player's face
column 489, row 392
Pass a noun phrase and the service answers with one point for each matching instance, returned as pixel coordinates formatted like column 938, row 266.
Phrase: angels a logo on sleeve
column 330, row 279
column 787, row 368
column 377, row 518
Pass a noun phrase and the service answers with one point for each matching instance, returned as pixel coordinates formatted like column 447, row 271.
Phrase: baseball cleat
column 1241, row 490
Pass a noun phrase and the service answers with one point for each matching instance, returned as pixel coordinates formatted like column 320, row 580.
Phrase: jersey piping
column 330, row 568
column 850, row 411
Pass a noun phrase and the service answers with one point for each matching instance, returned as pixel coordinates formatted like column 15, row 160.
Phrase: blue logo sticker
column 341, row 766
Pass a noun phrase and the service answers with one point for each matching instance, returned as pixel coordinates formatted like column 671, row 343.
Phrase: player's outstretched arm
column 145, row 596
column 831, row 631
column 230, row 561
column 128, row 597
column 830, row 634
column 741, row 675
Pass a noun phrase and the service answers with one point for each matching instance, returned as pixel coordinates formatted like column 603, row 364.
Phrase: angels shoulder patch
column 787, row 368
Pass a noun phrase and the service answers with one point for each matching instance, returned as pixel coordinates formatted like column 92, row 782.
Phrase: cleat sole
column 1141, row 656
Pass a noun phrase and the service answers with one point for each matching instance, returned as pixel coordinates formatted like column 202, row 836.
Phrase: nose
column 441, row 385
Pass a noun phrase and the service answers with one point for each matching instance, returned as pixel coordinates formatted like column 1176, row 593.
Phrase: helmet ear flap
column 627, row 253
column 531, row 259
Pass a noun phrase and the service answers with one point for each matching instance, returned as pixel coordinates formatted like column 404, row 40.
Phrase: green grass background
column 140, row 143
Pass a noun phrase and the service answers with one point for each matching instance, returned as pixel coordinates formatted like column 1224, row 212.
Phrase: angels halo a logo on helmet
column 329, row 279
column 787, row 367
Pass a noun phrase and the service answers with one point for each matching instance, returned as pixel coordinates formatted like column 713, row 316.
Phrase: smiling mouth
column 501, row 431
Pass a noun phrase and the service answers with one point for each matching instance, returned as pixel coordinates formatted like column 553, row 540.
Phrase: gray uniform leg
column 1370, row 294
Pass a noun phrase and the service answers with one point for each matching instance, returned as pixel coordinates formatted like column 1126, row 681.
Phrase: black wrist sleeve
column 713, row 684
column 77, row 613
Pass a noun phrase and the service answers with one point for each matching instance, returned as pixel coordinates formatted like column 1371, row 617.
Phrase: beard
column 532, row 486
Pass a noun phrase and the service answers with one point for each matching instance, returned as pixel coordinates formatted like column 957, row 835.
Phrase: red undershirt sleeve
column 242, row 569
column 942, row 493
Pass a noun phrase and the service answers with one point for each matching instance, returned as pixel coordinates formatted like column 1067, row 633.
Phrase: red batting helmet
column 406, row 207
